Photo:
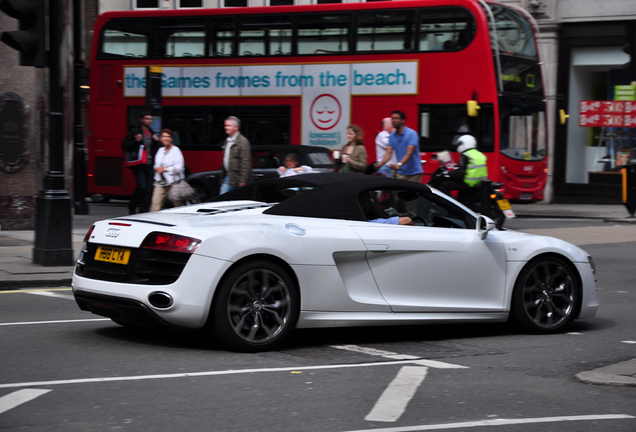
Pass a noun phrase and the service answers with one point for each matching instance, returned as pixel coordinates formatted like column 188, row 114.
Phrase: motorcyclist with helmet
column 467, row 177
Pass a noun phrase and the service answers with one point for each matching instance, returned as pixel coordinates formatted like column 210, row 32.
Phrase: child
column 291, row 167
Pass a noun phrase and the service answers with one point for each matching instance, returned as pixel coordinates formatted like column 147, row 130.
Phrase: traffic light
column 30, row 40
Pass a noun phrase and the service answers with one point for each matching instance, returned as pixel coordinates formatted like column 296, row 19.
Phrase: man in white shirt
column 381, row 142
column 237, row 157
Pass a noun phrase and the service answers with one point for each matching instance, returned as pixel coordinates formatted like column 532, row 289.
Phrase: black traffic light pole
column 79, row 149
column 53, row 245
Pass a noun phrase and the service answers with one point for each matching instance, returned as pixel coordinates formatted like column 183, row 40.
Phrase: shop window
column 182, row 4
column 146, row 4
column 233, row 3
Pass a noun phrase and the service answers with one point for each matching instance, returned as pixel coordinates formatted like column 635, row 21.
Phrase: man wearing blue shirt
column 405, row 142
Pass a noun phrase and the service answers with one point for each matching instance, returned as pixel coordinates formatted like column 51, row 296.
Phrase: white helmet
column 466, row 142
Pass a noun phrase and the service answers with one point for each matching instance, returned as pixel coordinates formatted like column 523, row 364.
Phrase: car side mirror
column 484, row 224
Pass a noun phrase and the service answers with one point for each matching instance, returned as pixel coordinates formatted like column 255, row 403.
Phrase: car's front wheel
column 256, row 307
column 546, row 295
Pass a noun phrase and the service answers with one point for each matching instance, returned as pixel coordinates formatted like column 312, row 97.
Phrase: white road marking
column 215, row 373
column 52, row 294
column 375, row 352
column 53, row 322
column 396, row 356
column 397, row 395
column 500, row 422
column 19, row 397
column 30, row 290
column 629, row 342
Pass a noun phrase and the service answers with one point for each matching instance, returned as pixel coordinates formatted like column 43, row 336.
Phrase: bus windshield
column 523, row 130
column 514, row 33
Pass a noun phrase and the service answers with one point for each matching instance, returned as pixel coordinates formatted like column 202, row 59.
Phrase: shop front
column 596, row 89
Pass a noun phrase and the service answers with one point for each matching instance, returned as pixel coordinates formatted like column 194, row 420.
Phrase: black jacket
column 131, row 145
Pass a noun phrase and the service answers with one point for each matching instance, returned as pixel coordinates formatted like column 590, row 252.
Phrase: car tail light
column 88, row 234
column 170, row 242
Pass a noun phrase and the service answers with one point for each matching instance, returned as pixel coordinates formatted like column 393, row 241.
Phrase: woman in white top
column 169, row 168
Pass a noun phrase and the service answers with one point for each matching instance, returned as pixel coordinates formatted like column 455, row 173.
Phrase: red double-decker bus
column 302, row 74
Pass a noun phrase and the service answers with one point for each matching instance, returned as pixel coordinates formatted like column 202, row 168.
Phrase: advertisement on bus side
column 325, row 89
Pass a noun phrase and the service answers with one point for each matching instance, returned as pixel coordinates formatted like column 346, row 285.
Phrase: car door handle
column 378, row 247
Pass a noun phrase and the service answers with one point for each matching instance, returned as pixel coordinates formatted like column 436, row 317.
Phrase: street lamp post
column 53, row 245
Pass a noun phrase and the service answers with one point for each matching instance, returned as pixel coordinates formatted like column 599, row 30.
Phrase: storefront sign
column 325, row 89
column 625, row 93
column 607, row 114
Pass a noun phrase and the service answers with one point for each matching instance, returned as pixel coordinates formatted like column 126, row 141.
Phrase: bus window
column 186, row 124
column 385, row 31
column 125, row 38
column 180, row 38
column 222, row 37
column 261, row 124
column 323, row 34
column 445, row 29
column 267, row 35
column 442, row 125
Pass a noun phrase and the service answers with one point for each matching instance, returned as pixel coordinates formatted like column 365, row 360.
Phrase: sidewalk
column 16, row 247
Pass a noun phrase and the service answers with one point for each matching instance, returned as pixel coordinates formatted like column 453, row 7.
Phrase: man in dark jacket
column 142, row 135
column 237, row 157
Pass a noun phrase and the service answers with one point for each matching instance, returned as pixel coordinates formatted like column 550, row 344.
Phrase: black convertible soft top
column 328, row 195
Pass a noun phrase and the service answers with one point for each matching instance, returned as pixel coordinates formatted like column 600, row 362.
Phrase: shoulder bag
column 180, row 190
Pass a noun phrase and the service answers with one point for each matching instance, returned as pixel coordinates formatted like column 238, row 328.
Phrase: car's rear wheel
column 100, row 198
column 546, row 295
column 256, row 307
column 200, row 194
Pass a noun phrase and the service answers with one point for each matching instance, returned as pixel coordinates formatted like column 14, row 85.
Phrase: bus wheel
column 99, row 198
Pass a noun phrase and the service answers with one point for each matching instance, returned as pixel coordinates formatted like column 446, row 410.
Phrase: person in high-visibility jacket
column 471, row 171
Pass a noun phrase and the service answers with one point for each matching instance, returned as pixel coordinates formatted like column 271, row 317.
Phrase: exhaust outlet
column 160, row 300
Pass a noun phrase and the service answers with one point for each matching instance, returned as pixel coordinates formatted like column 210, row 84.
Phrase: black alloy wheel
column 546, row 295
column 257, row 306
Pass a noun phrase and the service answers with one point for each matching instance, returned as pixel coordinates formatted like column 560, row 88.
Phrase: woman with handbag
column 353, row 157
column 169, row 167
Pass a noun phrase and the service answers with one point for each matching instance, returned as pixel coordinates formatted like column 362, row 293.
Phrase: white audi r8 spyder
column 327, row 250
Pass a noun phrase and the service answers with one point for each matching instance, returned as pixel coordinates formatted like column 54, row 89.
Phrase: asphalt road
column 67, row 370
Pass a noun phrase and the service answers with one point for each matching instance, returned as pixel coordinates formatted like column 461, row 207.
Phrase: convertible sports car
column 308, row 251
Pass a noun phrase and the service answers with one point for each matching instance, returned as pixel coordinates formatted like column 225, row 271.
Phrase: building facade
column 583, row 45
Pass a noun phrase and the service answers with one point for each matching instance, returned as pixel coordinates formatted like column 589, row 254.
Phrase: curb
column 626, row 219
column 618, row 375
column 43, row 283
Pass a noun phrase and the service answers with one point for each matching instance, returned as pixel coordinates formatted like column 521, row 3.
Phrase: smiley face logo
column 325, row 111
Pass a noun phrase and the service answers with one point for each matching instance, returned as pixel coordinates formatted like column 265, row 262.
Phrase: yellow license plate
column 112, row 255
column 504, row 204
